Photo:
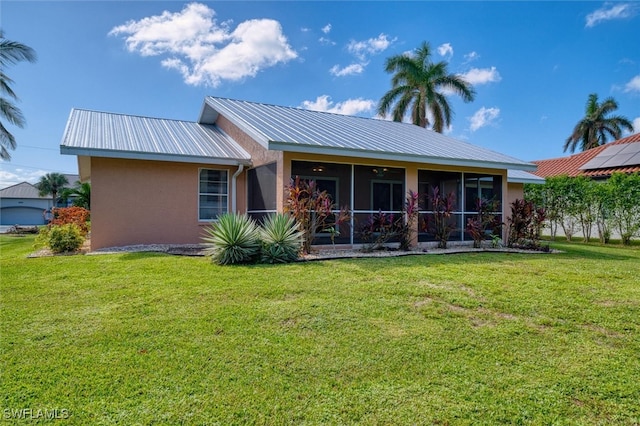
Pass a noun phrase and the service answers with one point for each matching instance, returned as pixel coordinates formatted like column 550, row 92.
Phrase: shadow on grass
column 597, row 251
column 140, row 255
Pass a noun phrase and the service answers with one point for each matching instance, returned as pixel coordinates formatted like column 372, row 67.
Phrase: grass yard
column 479, row 338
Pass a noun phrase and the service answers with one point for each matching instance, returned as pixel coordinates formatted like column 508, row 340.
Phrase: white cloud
column 348, row 70
column 633, row 85
column 609, row 12
column 326, row 29
column 445, row 49
column 362, row 50
column 483, row 117
column 349, row 107
column 482, row 75
column 636, row 125
column 470, row 57
column 326, row 41
column 18, row 175
column 204, row 51
column 372, row 46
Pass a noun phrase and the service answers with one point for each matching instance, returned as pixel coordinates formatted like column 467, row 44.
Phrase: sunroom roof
column 301, row 130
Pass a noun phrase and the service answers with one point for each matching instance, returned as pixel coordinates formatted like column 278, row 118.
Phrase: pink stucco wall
column 515, row 191
column 145, row 202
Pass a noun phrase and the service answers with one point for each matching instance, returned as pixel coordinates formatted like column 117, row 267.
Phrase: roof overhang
column 411, row 158
column 134, row 155
column 521, row 176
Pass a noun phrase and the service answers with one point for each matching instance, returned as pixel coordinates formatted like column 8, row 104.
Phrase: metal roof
column 101, row 134
column 22, row 190
column 520, row 176
column 301, row 130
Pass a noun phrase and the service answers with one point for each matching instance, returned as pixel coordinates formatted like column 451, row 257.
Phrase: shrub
column 281, row 239
column 312, row 209
column 485, row 224
column 411, row 216
column 61, row 238
column 233, row 239
column 625, row 206
column 76, row 215
column 378, row 230
column 525, row 225
column 443, row 207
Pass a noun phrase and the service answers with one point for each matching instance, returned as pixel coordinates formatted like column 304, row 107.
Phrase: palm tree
column 11, row 52
column 52, row 183
column 81, row 193
column 422, row 86
column 594, row 129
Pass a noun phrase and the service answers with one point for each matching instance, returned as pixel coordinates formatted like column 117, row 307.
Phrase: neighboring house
column 598, row 163
column 162, row 181
column 21, row 204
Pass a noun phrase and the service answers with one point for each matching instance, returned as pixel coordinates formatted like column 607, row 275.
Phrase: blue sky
column 533, row 64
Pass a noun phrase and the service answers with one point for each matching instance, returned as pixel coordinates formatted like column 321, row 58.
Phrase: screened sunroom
column 372, row 190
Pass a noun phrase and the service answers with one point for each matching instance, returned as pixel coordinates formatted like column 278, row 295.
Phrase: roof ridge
column 132, row 115
column 16, row 184
column 298, row 108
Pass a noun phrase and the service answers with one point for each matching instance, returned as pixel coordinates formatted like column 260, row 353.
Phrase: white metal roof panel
column 95, row 133
column 301, row 130
column 520, row 176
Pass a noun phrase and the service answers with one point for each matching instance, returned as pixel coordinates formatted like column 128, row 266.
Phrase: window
column 484, row 187
column 213, row 200
column 328, row 184
column 386, row 196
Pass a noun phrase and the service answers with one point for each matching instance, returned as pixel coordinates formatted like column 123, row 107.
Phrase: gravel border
column 324, row 253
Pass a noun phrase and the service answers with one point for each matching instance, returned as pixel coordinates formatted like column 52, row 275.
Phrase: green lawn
column 479, row 338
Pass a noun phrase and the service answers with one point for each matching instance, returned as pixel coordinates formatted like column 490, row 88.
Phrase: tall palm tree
column 52, row 183
column 596, row 126
column 11, row 52
column 422, row 86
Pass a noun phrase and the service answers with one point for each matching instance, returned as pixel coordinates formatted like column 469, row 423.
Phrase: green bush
column 61, row 238
column 281, row 239
column 233, row 239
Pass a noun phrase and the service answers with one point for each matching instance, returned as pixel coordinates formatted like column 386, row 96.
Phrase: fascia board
column 133, row 155
column 410, row 158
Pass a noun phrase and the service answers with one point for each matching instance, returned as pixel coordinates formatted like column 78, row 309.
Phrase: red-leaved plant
column 410, row 217
column 443, row 207
column 76, row 215
column 313, row 209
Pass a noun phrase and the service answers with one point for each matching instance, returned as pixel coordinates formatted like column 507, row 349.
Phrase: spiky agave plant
column 281, row 239
column 233, row 239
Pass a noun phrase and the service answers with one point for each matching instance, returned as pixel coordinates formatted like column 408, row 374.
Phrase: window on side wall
column 213, row 194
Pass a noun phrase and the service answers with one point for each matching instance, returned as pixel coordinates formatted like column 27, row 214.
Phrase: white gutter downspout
column 233, row 187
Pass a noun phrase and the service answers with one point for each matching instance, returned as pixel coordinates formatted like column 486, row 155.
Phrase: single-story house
column 622, row 155
column 162, row 181
column 21, row 204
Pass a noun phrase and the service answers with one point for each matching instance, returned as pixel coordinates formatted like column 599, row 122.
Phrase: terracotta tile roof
column 571, row 165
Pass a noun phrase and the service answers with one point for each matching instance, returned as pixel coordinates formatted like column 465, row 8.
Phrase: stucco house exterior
column 162, row 181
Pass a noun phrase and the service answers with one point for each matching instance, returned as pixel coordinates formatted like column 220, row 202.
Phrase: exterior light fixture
column 380, row 171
